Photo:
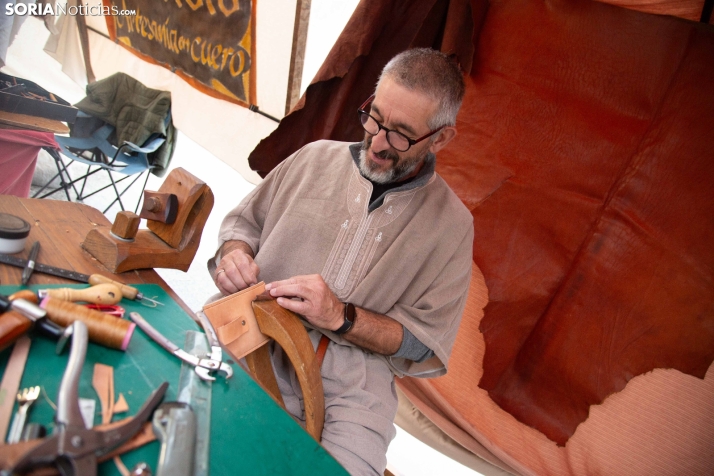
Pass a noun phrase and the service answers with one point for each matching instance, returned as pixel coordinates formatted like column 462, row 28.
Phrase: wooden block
column 190, row 192
column 160, row 206
column 162, row 245
column 126, row 224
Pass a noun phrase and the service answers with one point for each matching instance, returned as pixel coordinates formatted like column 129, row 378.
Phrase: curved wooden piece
column 287, row 330
column 261, row 368
column 162, row 245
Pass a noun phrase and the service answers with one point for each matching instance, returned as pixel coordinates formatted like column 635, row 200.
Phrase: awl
column 30, row 266
column 126, row 291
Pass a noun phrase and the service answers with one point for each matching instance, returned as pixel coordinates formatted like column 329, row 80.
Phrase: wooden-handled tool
column 103, row 329
column 12, row 326
column 18, row 316
column 126, row 290
column 106, row 293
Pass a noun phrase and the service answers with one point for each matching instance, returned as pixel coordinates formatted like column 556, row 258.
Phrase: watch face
column 349, row 319
column 350, row 312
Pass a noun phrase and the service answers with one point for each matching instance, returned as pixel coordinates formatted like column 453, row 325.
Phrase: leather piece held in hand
column 234, row 321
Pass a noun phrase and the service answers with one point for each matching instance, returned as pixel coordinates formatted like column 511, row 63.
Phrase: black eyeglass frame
column 381, row 126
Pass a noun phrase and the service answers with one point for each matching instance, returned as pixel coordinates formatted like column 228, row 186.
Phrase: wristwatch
column 350, row 314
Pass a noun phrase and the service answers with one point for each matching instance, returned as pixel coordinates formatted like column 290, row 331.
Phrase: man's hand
column 236, row 270
column 318, row 304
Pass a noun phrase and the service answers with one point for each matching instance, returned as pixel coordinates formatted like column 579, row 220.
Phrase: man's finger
column 300, row 307
column 229, row 280
column 291, row 290
column 248, row 273
column 226, row 286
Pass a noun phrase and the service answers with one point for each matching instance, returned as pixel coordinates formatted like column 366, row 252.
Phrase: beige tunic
column 410, row 259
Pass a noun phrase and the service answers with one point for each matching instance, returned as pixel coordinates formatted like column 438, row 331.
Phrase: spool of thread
column 103, row 329
column 13, row 233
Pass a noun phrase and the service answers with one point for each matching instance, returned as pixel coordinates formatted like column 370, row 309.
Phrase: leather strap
column 11, row 382
column 103, row 383
column 321, row 349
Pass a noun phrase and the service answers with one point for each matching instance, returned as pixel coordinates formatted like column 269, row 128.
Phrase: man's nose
column 379, row 141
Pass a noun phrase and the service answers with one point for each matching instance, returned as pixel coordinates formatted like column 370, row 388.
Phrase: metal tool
column 141, row 469
column 25, row 399
column 175, row 426
column 197, row 393
column 216, row 349
column 32, row 431
column 30, row 266
column 73, row 448
column 203, row 367
column 127, row 291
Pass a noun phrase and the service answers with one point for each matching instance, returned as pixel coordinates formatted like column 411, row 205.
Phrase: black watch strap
column 350, row 314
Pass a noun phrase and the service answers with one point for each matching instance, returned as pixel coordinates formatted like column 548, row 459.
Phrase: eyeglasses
column 396, row 139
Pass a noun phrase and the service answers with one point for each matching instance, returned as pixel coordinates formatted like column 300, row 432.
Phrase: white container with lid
column 13, row 233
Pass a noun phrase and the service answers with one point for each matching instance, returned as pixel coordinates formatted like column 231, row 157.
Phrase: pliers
column 73, row 448
column 204, row 367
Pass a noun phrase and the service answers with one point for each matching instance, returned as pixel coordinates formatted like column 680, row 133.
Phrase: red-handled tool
column 19, row 316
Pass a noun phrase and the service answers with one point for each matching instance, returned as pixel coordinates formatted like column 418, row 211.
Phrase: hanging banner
column 209, row 43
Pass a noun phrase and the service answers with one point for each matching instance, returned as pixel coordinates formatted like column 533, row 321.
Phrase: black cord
column 254, row 108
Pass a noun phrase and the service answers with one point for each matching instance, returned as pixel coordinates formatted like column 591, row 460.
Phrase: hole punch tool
column 74, row 449
column 204, row 367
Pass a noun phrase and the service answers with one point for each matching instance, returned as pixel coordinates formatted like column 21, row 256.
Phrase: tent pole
column 297, row 57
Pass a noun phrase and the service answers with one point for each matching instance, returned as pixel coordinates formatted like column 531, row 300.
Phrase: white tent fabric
column 227, row 130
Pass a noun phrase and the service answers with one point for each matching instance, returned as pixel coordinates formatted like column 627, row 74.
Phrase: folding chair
column 98, row 152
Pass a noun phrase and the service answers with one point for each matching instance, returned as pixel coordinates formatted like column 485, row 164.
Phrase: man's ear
column 444, row 137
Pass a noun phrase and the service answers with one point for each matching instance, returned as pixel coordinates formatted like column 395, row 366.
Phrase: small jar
column 13, row 233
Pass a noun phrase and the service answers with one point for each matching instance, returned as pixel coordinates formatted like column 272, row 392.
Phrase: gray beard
column 370, row 170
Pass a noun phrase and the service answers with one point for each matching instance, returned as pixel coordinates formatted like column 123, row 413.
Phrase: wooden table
column 250, row 434
column 60, row 227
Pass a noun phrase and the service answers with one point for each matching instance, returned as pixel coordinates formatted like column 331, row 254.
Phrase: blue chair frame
column 128, row 160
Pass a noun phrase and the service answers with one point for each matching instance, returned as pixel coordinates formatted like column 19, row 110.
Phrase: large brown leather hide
column 586, row 155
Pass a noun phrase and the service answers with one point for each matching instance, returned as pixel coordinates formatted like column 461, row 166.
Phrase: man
column 371, row 247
